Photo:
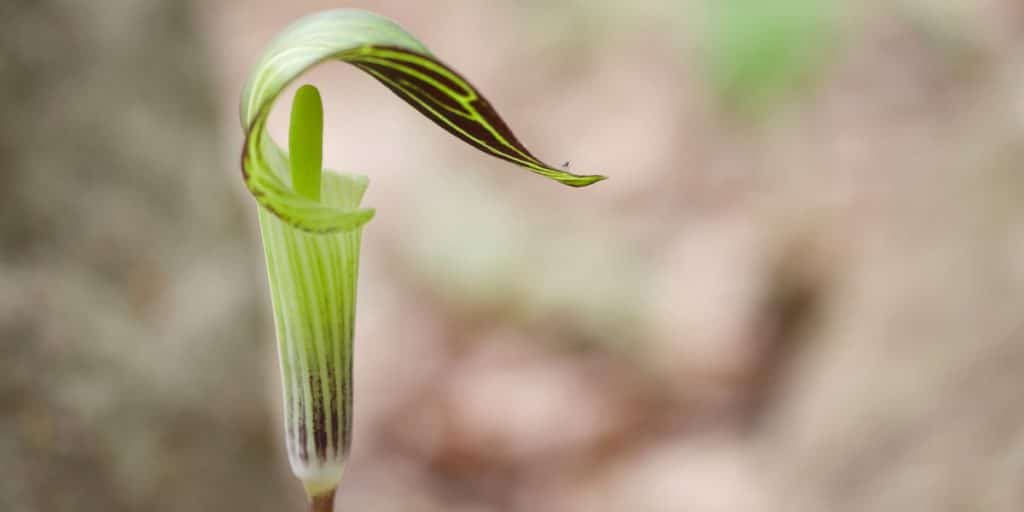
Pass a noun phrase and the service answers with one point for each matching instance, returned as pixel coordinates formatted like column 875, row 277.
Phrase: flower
column 311, row 220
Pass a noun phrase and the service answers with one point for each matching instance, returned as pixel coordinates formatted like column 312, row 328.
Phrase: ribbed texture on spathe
column 313, row 288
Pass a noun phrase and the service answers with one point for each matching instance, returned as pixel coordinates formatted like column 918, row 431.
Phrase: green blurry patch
column 765, row 53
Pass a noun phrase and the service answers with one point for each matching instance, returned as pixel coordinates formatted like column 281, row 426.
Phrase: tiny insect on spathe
column 565, row 165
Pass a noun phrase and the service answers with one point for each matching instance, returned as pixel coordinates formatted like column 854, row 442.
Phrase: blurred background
column 801, row 289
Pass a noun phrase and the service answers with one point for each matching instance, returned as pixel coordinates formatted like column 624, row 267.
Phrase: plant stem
column 322, row 502
column 306, row 141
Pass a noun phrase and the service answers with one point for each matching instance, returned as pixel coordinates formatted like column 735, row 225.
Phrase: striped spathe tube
column 313, row 278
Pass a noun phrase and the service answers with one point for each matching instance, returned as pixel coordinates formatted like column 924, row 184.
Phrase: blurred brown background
column 801, row 289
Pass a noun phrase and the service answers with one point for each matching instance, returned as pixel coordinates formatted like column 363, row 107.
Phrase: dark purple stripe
column 301, row 425
column 319, row 426
column 470, row 127
column 431, row 94
column 426, row 89
column 347, row 403
column 447, row 82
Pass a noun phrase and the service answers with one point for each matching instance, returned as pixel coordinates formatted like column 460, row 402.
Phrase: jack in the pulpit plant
column 311, row 219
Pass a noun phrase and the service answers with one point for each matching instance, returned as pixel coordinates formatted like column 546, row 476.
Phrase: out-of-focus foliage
column 763, row 52
column 523, row 268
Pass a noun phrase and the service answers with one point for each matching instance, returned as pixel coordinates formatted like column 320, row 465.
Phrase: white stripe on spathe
column 313, row 280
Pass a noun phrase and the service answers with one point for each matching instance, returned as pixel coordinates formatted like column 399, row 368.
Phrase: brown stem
column 322, row 502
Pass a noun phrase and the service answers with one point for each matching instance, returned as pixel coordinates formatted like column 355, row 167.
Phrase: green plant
column 311, row 221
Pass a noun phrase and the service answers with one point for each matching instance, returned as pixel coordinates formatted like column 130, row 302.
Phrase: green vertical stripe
column 312, row 280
